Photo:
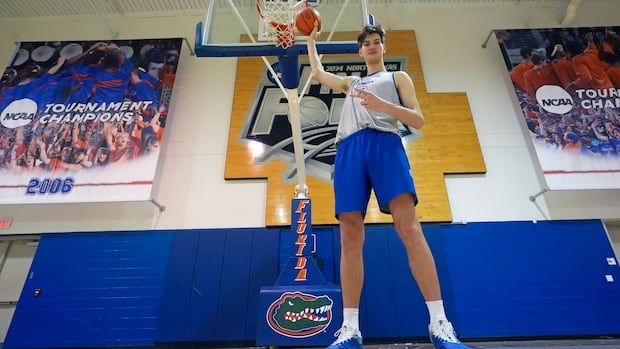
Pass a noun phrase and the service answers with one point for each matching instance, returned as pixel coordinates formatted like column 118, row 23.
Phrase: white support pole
column 366, row 14
column 301, row 190
column 206, row 28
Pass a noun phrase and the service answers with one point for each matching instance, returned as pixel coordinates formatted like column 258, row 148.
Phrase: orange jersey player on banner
column 562, row 66
column 591, row 71
column 517, row 73
column 614, row 71
column 541, row 74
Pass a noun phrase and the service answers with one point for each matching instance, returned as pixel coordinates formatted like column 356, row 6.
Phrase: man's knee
column 410, row 233
column 351, row 232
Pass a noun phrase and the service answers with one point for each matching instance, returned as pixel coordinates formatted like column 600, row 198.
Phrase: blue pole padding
column 289, row 67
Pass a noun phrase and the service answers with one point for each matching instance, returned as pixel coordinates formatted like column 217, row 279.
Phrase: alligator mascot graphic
column 300, row 315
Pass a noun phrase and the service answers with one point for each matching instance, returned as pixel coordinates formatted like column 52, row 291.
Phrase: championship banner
column 83, row 121
column 567, row 82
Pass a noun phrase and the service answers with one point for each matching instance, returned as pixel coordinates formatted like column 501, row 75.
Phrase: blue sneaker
column 443, row 336
column 348, row 338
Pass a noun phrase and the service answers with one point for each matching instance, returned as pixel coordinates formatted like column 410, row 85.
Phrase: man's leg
column 351, row 278
column 422, row 265
column 351, row 260
column 419, row 255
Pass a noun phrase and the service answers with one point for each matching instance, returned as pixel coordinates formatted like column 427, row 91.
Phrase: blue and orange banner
column 83, row 121
column 567, row 83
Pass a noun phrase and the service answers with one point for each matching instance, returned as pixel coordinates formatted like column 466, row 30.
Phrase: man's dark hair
column 94, row 57
column 526, row 52
column 537, row 58
column 574, row 48
column 110, row 61
column 368, row 30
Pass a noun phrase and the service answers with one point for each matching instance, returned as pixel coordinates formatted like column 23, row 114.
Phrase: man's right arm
column 333, row 81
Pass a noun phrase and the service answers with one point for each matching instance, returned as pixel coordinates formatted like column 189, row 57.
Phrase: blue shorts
column 371, row 159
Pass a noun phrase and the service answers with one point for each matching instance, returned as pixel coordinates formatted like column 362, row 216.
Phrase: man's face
column 121, row 139
column 79, row 157
column 102, row 154
column 30, row 159
column 7, row 76
column 372, row 48
column 66, row 154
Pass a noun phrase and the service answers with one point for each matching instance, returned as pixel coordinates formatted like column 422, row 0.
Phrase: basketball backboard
column 224, row 32
column 230, row 30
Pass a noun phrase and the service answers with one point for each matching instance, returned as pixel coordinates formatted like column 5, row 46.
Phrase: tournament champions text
column 103, row 112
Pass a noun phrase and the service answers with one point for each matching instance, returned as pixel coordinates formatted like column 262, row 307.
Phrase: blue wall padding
column 379, row 294
column 263, row 272
column 231, row 266
column 177, row 287
column 205, row 289
column 96, row 290
column 234, row 286
column 501, row 279
column 525, row 279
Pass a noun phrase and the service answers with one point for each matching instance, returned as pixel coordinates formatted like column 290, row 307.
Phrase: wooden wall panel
column 449, row 145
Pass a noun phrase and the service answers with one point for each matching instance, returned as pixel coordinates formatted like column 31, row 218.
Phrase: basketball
column 305, row 20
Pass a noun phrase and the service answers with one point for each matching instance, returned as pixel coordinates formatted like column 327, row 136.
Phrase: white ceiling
column 43, row 8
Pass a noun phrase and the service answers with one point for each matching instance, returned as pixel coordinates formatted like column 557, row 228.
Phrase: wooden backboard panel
column 449, row 145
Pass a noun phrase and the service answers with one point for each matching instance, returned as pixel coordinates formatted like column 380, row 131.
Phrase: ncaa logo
column 300, row 315
column 554, row 99
column 18, row 113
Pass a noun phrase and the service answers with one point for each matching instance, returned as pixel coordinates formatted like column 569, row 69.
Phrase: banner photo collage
column 83, row 121
column 567, row 82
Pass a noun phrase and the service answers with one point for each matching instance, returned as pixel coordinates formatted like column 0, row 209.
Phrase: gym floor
column 603, row 343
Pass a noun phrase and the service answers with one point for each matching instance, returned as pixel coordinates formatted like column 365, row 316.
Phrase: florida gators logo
column 300, row 315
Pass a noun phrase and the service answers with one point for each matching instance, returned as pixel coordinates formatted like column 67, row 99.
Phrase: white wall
column 191, row 183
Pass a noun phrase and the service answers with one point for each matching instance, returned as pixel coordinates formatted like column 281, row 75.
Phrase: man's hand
column 370, row 101
column 315, row 32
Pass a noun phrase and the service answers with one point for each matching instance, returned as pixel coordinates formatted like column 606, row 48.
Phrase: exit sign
column 5, row 223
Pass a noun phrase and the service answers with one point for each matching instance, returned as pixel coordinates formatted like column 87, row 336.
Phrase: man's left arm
column 410, row 113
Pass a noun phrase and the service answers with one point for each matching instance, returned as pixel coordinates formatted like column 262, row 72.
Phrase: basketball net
column 279, row 17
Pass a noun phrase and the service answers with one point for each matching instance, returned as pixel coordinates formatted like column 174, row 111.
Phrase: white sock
column 351, row 318
column 435, row 311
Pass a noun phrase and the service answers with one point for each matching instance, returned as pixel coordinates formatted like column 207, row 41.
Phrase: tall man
column 370, row 155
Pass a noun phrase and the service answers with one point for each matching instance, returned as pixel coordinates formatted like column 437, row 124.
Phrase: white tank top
column 355, row 117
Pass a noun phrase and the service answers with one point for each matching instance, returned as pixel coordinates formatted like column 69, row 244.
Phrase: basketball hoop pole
column 301, row 190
